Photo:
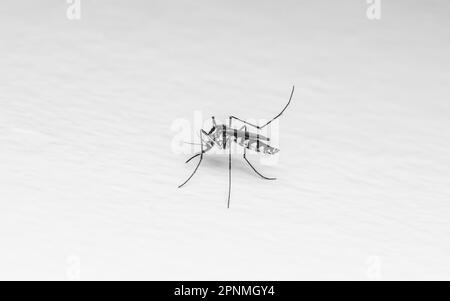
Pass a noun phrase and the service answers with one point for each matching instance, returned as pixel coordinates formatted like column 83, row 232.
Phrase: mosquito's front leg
column 208, row 147
column 199, row 154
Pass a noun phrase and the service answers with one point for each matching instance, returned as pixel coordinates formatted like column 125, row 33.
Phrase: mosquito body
column 222, row 136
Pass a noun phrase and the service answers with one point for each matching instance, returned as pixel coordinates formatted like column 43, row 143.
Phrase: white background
column 88, row 178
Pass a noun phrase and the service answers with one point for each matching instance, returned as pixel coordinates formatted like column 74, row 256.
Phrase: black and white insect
column 222, row 136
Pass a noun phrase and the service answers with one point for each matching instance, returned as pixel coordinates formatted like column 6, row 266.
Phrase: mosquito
column 222, row 136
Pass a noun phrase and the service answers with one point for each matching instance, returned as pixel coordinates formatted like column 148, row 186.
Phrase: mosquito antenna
column 192, row 143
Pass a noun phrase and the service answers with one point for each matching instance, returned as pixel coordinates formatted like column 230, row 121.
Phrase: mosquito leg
column 229, row 171
column 254, row 169
column 260, row 127
column 202, row 144
column 200, row 161
column 196, row 155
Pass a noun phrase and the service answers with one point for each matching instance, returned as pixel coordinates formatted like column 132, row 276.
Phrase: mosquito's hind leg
column 260, row 127
column 254, row 169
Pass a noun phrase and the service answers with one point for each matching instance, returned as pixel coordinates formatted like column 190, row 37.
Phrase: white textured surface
column 87, row 171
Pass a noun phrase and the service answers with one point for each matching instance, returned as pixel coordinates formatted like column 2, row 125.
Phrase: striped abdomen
column 246, row 139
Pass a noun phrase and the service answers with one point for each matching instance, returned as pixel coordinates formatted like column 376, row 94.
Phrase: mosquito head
column 210, row 139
